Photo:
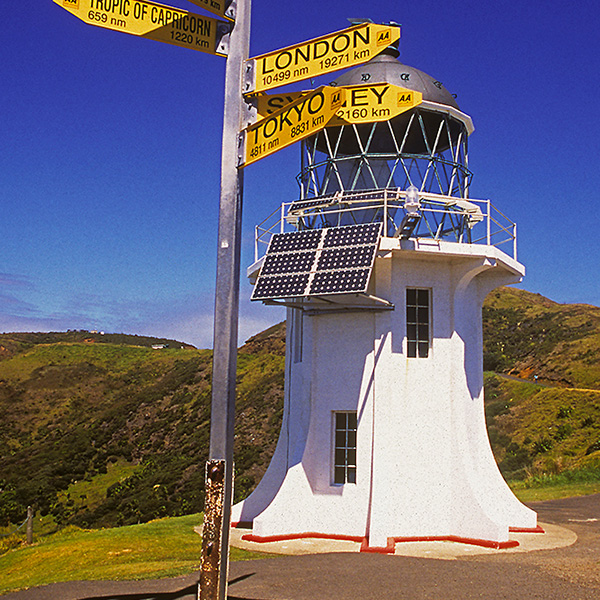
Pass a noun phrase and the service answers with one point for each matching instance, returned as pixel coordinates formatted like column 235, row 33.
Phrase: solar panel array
column 299, row 206
column 336, row 260
column 302, row 205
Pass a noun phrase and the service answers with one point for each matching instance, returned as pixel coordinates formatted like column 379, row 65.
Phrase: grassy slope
column 544, row 436
column 68, row 411
column 162, row 548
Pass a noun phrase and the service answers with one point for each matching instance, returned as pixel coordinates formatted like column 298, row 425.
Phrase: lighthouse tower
column 384, row 263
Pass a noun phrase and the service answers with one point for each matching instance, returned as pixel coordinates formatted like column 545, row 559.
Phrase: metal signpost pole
column 219, row 468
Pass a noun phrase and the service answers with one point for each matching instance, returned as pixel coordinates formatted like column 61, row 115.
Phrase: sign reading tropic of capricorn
column 339, row 50
column 362, row 103
column 295, row 121
column 155, row 22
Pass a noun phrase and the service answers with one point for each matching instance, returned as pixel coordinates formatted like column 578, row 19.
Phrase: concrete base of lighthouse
column 424, row 466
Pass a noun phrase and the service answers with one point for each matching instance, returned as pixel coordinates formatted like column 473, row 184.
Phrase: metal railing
column 441, row 217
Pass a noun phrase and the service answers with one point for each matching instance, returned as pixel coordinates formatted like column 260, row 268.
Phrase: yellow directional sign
column 339, row 50
column 267, row 104
column 223, row 8
column 375, row 102
column 362, row 104
column 154, row 21
column 292, row 123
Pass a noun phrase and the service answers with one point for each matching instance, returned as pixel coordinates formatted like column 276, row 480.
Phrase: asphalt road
column 568, row 573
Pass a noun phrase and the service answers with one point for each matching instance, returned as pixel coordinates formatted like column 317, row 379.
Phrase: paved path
column 567, row 573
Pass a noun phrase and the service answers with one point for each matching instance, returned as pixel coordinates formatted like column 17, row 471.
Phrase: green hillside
column 100, row 434
column 526, row 334
column 102, row 430
column 539, row 431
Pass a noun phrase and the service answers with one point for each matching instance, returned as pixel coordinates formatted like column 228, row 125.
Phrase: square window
column 417, row 323
column 344, row 451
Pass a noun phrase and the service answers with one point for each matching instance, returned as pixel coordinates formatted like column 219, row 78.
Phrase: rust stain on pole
column 214, row 491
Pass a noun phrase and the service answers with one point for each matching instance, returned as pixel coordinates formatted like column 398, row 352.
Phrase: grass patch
column 162, row 548
column 568, row 490
column 89, row 494
column 579, row 482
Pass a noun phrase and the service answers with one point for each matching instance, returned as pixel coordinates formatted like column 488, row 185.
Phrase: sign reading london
column 295, row 121
column 154, row 21
column 346, row 48
column 362, row 103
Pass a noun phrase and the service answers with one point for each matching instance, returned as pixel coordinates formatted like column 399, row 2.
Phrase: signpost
column 285, row 120
column 339, row 50
column 154, row 21
column 295, row 121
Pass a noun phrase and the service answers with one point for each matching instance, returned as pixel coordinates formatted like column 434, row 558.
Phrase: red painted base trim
column 537, row 529
column 389, row 549
column 249, row 537
column 461, row 540
column 241, row 524
column 392, row 541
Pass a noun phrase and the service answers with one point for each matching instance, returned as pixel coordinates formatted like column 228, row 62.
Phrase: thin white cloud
column 188, row 319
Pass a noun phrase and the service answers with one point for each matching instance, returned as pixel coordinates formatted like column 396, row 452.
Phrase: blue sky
column 111, row 144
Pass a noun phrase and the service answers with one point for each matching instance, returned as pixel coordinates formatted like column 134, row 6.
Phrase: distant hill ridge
column 102, row 430
column 12, row 343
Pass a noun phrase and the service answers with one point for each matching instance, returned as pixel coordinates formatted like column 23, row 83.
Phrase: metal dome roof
column 388, row 69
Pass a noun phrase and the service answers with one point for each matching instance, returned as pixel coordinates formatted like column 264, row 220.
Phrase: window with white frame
column 344, row 451
column 418, row 311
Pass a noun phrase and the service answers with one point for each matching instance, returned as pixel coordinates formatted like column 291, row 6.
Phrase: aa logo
column 404, row 99
column 71, row 3
column 384, row 38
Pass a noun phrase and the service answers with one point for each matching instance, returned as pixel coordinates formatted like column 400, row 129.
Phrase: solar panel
column 280, row 286
column 288, row 262
column 340, row 282
column 343, row 258
column 296, row 240
column 300, row 205
column 336, row 260
column 352, row 235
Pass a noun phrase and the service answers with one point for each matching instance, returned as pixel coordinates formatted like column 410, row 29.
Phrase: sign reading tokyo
column 339, row 50
column 292, row 123
column 362, row 104
column 154, row 21
column 223, row 8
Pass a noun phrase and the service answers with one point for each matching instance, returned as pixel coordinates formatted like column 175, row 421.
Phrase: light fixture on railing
column 412, row 206
column 412, row 203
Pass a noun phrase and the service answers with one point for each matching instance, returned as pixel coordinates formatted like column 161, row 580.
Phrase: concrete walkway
column 563, row 564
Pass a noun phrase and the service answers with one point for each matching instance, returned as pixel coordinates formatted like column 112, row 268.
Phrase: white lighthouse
column 384, row 263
